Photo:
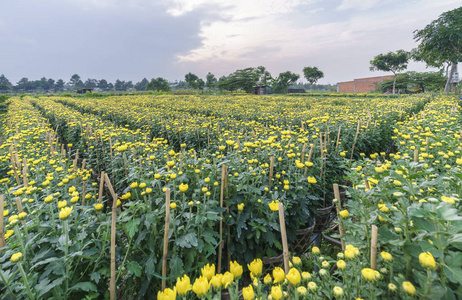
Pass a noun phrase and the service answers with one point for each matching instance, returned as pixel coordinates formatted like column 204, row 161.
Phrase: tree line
column 245, row 79
column 440, row 47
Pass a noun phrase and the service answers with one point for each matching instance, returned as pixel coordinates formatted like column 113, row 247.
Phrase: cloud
column 357, row 4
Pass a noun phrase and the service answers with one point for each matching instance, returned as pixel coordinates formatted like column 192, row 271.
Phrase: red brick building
column 362, row 85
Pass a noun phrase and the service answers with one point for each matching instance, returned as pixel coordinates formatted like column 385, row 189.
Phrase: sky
column 136, row 39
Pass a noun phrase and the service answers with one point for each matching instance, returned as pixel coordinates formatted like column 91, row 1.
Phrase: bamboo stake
column 285, row 247
column 167, row 226
column 110, row 144
column 84, row 192
column 302, row 159
column 356, row 137
column 309, row 159
column 339, row 205
column 220, row 248
column 271, row 171
column 366, row 183
column 112, row 284
column 19, row 204
column 337, row 193
column 125, row 164
column 2, row 237
column 374, row 248
column 416, row 155
column 101, row 186
column 13, row 164
column 83, row 164
column 75, row 160
column 24, row 173
column 109, row 186
column 338, row 137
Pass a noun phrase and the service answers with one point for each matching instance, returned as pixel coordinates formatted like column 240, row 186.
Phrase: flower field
column 82, row 174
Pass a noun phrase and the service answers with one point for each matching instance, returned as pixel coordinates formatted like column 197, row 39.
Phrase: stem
column 26, row 282
column 8, row 286
column 52, row 218
column 66, row 253
column 21, row 242
column 125, row 258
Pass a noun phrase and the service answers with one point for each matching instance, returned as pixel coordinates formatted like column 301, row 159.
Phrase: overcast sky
column 132, row 39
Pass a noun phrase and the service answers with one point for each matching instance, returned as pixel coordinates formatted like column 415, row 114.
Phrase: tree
column 191, row 79
column 90, row 83
column 391, row 62
column 312, row 74
column 141, row 86
column 411, row 81
column 158, row 84
column 210, row 80
column 59, row 86
column 75, row 81
column 441, row 43
column 264, row 76
column 5, row 84
column 244, row 79
column 200, row 84
column 119, row 85
column 51, row 84
column 282, row 82
column 23, row 84
column 103, row 84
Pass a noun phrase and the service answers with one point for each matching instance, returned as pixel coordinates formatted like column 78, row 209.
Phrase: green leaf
column 134, row 268
column 176, row 267
column 95, row 276
column 188, row 240
column 454, row 274
column 84, row 286
column 132, row 227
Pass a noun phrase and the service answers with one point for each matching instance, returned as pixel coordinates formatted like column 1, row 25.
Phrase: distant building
column 83, row 91
column 296, row 91
column 362, row 85
column 261, row 90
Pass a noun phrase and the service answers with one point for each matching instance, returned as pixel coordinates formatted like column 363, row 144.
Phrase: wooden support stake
column 19, row 204
column 338, row 207
column 285, row 247
column 374, row 248
column 13, row 164
column 74, row 163
column 125, row 164
column 83, row 164
column 84, row 192
column 110, row 144
column 112, row 284
column 416, row 155
column 24, row 173
column 302, row 159
column 337, row 194
column 222, row 194
column 356, row 137
column 271, row 171
column 101, row 187
column 167, row 226
column 338, row 137
column 2, row 237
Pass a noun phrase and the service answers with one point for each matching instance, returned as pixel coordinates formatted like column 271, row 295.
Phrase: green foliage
column 417, row 81
column 244, row 79
column 281, row 83
column 390, row 62
column 441, row 40
column 312, row 74
column 158, row 84
column 191, row 79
